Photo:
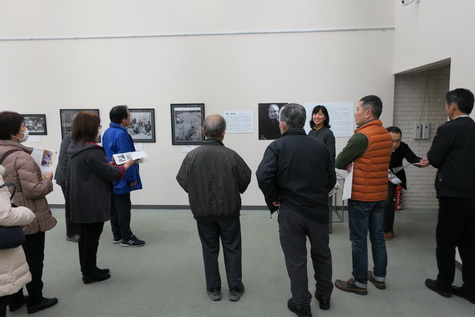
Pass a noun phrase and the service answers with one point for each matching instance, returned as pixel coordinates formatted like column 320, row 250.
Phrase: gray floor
column 165, row 278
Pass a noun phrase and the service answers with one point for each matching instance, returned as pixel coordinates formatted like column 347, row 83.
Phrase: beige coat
column 31, row 188
column 14, row 271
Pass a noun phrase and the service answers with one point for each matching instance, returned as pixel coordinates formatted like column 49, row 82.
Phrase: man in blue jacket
column 116, row 140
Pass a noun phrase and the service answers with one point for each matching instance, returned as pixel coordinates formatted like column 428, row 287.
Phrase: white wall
column 434, row 30
column 226, row 72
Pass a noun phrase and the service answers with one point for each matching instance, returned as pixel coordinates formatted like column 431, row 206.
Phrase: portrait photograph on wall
column 35, row 123
column 187, row 120
column 142, row 125
column 67, row 116
column 269, row 120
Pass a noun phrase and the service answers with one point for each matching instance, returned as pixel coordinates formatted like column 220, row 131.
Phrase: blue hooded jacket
column 116, row 140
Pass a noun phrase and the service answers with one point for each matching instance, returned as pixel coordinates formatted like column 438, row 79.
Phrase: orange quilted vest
column 370, row 178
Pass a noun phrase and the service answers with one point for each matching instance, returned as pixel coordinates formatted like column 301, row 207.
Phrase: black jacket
column 453, row 154
column 403, row 152
column 89, row 183
column 297, row 171
column 62, row 168
column 214, row 177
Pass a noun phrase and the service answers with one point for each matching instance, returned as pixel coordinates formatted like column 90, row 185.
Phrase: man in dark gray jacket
column 295, row 175
column 214, row 177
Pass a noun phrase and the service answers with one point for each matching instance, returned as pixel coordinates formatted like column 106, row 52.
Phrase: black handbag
column 11, row 237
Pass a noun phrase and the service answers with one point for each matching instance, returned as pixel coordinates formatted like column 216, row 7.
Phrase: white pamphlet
column 46, row 159
column 122, row 158
column 347, row 187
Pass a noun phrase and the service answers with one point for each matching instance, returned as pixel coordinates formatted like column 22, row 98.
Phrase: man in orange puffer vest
column 369, row 149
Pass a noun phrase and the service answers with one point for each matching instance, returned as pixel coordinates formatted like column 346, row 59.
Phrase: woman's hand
column 49, row 175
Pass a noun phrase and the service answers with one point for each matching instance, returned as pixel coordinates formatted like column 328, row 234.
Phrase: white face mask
column 25, row 135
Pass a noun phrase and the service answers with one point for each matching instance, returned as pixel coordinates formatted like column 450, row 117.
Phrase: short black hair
column 462, row 97
column 394, row 129
column 118, row 113
column 374, row 103
column 10, row 124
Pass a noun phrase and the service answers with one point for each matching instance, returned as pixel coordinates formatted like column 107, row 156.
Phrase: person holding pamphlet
column 367, row 154
column 89, row 191
column 400, row 151
column 117, row 140
column 32, row 188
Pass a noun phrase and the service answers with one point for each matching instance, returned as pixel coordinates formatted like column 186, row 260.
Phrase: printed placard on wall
column 239, row 121
column 341, row 115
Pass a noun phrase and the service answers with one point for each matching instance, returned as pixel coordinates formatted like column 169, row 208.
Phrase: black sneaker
column 45, row 303
column 323, row 302
column 16, row 304
column 98, row 277
column 214, row 294
column 132, row 242
column 116, row 240
column 379, row 285
column 235, row 294
column 302, row 312
column 350, row 286
column 457, row 291
column 433, row 285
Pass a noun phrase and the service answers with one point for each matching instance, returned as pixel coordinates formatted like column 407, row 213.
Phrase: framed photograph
column 36, row 123
column 67, row 116
column 187, row 120
column 142, row 125
column 269, row 120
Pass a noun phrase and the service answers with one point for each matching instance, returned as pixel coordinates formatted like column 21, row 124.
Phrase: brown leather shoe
column 389, row 235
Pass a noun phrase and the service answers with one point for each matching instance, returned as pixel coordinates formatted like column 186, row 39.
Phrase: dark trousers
column 389, row 208
column 34, row 248
column 294, row 230
column 120, row 220
column 455, row 228
column 229, row 231
column 72, row 228
column 4, row 300
column 88, row 244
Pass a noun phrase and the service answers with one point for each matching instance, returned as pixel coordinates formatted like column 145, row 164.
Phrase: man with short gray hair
column 295, row 176
column 214, row 177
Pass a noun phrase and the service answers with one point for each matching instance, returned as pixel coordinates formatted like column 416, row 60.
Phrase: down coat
column 31, row 188
column 14, row 271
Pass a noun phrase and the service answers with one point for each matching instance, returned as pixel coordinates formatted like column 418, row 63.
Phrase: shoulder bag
column 10, row 237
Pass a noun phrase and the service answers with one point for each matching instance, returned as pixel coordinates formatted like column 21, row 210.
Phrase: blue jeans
column 364, row 217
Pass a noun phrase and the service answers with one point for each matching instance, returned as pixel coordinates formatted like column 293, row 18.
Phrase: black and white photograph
column 35, row 123
column 187, row 120
column 67, row 116
column 269, row 120
column 142, row 125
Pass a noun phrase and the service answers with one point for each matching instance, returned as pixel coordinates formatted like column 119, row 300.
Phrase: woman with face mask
column 31, row 190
